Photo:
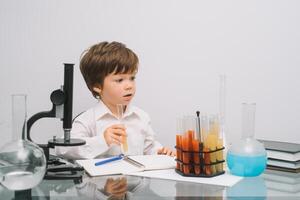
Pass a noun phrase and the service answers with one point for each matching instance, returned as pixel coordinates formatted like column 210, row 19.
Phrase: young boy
column 109, row 70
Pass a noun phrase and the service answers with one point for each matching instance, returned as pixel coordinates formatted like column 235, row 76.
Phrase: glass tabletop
column 133, row 187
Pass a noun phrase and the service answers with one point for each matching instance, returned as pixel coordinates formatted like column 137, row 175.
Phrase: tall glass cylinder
column 248, row 120
column 22, row 163
column 19, row 118
column 222, row 105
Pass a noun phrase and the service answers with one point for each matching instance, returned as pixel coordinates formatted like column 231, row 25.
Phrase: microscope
column 62, row 107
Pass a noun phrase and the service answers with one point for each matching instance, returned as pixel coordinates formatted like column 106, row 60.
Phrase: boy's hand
column 115, row 134
column 166, row 151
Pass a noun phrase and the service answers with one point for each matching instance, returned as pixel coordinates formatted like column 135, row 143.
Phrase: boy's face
column 118, row 89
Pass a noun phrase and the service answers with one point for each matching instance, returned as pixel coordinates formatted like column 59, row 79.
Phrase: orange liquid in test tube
column 220, row 155
column 196, row 157
column 206, row 146
column 211, row 142
column 124, row 144
column 185, row 155
column 191, row 136
column 207, row 168
column 178, row 151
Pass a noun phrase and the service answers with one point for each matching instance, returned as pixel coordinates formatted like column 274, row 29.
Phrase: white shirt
column 91, row 124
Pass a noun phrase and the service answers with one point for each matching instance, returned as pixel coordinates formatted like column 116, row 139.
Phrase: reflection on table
column 252, row 188
column 132, row 187
column 115, row 187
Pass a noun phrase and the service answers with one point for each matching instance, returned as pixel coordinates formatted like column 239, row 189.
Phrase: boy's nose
column 129, row 85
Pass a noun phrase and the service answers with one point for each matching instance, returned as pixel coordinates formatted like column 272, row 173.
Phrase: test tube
column 219, row 153
column 196, row 156
column 197, row 146
column 204, row 130
column 179, row 129
column 120, row 112
column 187, row 143
column 189, row 125
column 212, row 139
column 193, row 140
column 185, row 154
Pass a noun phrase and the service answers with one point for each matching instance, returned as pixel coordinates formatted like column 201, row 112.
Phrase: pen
column 119, row 157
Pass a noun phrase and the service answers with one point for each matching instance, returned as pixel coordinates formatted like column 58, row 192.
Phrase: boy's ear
column 97, row 89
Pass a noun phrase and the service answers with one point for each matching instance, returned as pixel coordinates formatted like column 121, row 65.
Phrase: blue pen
column 119, row 157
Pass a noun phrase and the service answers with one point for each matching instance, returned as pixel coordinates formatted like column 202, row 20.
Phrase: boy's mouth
column 127, row 95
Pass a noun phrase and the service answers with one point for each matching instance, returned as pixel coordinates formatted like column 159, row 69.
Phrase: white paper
column 154, row 162
column 151, row 162
column 170, row 174
column 115, row 167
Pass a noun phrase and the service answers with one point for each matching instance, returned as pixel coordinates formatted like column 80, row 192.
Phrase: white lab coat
column 91, row 125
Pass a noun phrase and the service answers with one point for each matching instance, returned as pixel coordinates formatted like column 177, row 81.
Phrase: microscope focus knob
column 57, row 97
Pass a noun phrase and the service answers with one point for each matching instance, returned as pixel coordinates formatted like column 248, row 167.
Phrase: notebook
column 282, row 163
column 284, row 169
column 282, row 150
column 150, row 162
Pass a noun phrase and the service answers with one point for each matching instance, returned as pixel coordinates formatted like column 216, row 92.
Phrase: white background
column 183, row 46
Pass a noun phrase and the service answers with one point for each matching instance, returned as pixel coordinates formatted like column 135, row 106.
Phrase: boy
column 109, row 71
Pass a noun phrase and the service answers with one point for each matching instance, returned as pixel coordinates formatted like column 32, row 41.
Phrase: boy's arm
column 151, row 146
column 154, row 147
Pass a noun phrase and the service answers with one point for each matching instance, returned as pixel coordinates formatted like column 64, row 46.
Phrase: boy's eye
column 132, row 78
column 119, row 80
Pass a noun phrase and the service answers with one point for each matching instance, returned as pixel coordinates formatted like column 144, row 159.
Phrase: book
column 283, row 163
column 282, row 150
column 284, row 169
column 122, row 166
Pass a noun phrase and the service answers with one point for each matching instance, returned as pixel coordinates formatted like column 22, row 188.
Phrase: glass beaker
column 22, row 163
column 248, row 157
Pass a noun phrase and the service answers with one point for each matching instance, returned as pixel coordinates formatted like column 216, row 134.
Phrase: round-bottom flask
column 247, row 157
column 22, row 163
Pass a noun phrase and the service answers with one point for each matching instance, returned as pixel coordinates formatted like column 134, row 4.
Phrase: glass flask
column 22, row 163
column 247, row 157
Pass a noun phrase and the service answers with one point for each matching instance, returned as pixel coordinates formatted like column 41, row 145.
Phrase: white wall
column 183, row 46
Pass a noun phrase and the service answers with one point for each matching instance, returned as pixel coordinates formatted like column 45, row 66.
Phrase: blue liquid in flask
column 246, row 165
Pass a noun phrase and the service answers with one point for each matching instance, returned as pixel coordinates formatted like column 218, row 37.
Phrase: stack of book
column 282, row 156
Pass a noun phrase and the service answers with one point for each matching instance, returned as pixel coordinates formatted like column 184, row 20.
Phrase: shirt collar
column 102, row 110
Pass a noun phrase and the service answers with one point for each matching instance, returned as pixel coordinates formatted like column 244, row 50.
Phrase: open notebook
column 150, row 162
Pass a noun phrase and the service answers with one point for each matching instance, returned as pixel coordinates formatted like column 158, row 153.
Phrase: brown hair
column 105, row 58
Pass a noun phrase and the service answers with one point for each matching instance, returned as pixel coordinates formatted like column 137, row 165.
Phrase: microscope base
column 58, row 169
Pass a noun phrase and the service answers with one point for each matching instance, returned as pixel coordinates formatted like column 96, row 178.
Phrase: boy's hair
column 106, row 58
